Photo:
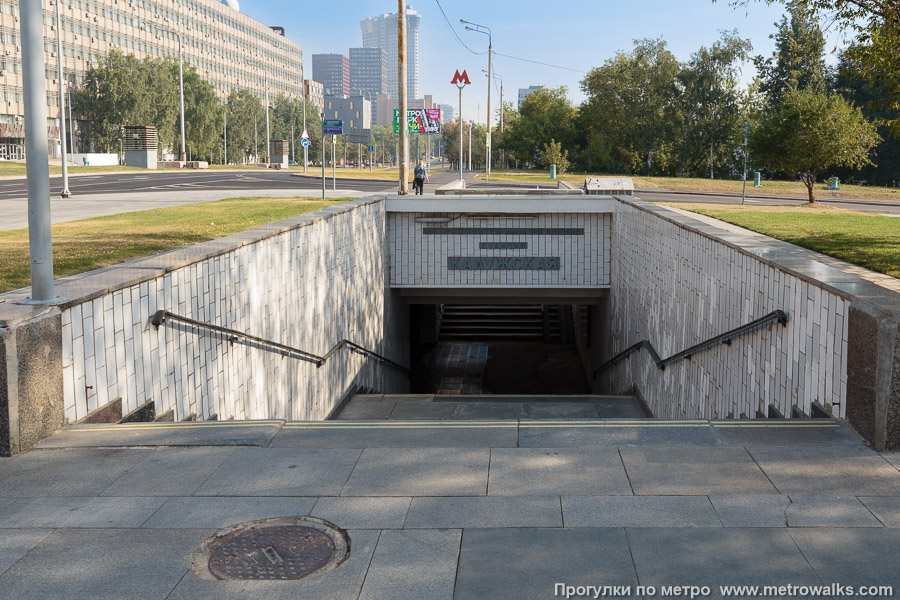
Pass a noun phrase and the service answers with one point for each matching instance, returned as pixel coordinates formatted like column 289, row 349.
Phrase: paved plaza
column 457, row 508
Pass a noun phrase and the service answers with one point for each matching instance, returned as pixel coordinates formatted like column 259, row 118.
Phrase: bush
column 553, row 154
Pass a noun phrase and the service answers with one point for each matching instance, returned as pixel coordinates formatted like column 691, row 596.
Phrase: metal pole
column 226, row 134
column 305, row 148
column 255, row 135
column 181, row 91
column 333, row 165
column 62, row 108
column 460, row 135
column 402, row 85
column 268, row 141
column 471, row 125
column 71, row 124
column 323, row 156
column 487, row 172
column 746, row 137
column 40, row 241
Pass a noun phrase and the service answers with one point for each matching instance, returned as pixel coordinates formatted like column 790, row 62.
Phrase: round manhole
column 274, row 549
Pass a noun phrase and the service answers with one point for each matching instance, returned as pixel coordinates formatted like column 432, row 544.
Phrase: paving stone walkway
column 454, row 509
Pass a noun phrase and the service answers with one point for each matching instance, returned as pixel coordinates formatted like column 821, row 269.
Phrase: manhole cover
column 280, row 549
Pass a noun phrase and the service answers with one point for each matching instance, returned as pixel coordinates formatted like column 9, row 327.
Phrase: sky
column 576, row 34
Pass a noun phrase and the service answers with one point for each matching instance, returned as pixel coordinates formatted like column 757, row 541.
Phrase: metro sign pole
column 460, row 80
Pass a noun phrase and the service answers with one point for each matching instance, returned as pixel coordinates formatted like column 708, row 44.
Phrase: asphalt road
column 162, row 181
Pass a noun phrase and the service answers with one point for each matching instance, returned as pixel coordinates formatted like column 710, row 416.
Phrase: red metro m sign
column 460, row 79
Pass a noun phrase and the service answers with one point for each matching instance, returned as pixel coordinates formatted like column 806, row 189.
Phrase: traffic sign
column 371, row 148
column 333, row 127
column 304, row 135
column 334, row 139
column 460, row 79
column 304, row 142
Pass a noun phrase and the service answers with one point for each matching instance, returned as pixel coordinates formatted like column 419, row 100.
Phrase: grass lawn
column 8, row 168
column 780, row 188
column 80, row 246
column 864, row 239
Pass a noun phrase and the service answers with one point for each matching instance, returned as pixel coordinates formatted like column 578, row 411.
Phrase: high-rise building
column 333, row 72
column 525, row 92
column 229, row 50
column 381, row 32
column 448, row 113
column 315, row 93
column 368, row 73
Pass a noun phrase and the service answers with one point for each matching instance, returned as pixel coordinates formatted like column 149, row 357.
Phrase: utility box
column 141, row 146
column 609, row 186
column 279, row 155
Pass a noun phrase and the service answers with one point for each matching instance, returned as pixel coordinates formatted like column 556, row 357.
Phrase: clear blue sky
column 579, row 34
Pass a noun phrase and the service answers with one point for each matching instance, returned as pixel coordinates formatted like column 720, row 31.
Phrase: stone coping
column 502, row 204
column 799, row 262
column 84, row 287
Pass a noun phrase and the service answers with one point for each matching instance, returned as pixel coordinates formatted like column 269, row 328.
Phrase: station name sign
column 503, row 263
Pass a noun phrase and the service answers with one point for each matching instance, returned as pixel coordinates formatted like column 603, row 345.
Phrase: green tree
column 553, row 154
column 545, row 114
column 709, row 105
column 245, row 113
column 799, row 58
column 811, row 131
column 202, row 115
column 631, row 108
column 122, row 90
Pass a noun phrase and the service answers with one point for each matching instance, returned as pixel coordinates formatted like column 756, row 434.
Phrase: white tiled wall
column 677, row 288
column 420, row 260
column 308, row 288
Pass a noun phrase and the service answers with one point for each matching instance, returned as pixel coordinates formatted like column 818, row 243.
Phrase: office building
column 315, row 93
column 355, row 111
column 230, row 50
column 368, row 73
column 525, row 92
column 333, row 72
column 381, row 32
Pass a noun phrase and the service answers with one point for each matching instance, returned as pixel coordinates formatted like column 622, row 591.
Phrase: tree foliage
column 545, row 114
column 811, row 131
column 553, row 154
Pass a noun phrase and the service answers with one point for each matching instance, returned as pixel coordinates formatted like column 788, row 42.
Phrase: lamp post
column 305, row 148
column 268, row 141
column 225, row 113
column 500, row 77
column 62, row 108
column 180, row 85
column 370, row 123
column 402, row 86
column 486, row 31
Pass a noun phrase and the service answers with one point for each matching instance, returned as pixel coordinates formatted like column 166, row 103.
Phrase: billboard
column 421, row 120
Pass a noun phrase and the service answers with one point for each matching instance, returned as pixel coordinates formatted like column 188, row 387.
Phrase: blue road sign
column 304, row 142
column 333, row 127
column 371, row 148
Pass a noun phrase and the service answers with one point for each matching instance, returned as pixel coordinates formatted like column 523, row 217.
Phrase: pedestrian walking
column 420, row 176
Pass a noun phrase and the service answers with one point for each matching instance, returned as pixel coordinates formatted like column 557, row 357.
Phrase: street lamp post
column 225, row 112
column 500, row 77
column 486, row 31
column 370, row 124
column 180, row 85
column 402, row 85
column 62, row 108
column 268, row 141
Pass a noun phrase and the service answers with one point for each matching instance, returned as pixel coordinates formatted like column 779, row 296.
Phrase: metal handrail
column 161, row 316
column 778, row 316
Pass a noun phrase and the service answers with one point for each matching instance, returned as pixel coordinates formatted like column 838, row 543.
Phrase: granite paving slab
column 524, row 564
column 561, row 410
column 830, row 470
column 885, row 508
column 281, row 472
column 218, row 513
column 491, row 511
column 210, row 433
column 751, row 510
column 420, row 472
column 424, row 410
column 15, row 543
column 557, row 471
column 852, row 556
column 693, row 471
column 363, row 513
column 399, row 434
column 893, row 458
column 412, row 565
column 71, row 511
column 342, row 583
column 170, row 472
column 365, row 410
column 829, row 511
column 718, row 557
column 68, row 472
column 103, row 564
column 639, row 511
column 815, row 432
column 614, row 432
